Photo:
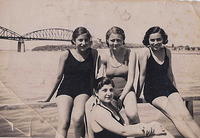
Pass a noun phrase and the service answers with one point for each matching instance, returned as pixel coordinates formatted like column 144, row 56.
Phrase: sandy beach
column 25, row 79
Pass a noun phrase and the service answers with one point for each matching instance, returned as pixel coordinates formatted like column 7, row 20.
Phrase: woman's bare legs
column 173, row 107
column 78, row 114
column 64, row 106
column 185, row 113
column 88, row 108
column 130, row 106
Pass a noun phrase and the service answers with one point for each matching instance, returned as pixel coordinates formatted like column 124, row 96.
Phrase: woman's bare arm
column 131, row 75
column 59, row 76
column 170, row 72
column 101, row 117
column 142, row 61
column 102, row 63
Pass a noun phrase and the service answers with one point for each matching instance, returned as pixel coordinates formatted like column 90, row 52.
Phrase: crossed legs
column 174, row 108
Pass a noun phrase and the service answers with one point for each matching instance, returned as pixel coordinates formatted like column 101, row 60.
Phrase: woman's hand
column 158, row 128
column 148, row 130
column 153, row 128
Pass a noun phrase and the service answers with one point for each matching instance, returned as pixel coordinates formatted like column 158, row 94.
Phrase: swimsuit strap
column 165, row 52
column 69, row 51
column 88, row 56
column 150, row 52
column 121, row 119
column 164, row 49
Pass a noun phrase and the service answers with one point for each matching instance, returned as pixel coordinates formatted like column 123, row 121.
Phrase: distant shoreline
column 173, row 52
column 60, row 48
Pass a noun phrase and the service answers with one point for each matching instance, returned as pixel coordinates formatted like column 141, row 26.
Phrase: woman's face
column 156, row 41
column 105, row 94
column 115, row 41
column 82, row 42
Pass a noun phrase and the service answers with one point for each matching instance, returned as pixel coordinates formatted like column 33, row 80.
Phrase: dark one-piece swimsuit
column 157, row 82
column 108, row 134
column 77, row 76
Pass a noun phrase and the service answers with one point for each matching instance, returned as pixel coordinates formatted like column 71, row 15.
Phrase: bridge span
column 50, row 34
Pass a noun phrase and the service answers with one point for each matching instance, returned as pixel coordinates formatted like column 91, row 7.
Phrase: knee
column 133, row 117
column 63, row 125
column 132, row 114
column 77, row 119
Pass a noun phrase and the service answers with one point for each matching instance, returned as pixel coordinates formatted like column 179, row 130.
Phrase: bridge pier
column 21, row 46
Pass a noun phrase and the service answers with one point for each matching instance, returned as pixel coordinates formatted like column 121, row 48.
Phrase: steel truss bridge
column 51, row 34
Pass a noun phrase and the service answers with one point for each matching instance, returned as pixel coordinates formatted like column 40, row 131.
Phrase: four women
column 76, row 76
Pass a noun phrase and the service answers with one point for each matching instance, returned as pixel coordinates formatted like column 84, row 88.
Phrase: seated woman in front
column 106, row 122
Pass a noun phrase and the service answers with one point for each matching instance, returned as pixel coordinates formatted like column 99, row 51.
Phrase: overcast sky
column 181, row 20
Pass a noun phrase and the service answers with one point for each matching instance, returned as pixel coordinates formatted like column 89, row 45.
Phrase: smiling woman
column 105, row 92
column 106, row 122
column 74, row 83
column 160, row 88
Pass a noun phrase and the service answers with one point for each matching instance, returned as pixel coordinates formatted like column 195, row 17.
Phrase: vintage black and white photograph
column 100, row 68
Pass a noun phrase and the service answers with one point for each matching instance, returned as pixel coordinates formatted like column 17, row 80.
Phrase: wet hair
column 115, row 30
column 79, row 31
column 100, row 82
column 152, row 30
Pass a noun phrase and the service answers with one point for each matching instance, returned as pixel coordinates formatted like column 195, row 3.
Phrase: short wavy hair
column 152, row 30
column 115, row 30
column 100, row 82
column 79, row 31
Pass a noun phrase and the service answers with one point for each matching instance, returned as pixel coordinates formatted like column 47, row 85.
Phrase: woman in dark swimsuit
column 106, row 122
column 74, row 83
column 160, row 89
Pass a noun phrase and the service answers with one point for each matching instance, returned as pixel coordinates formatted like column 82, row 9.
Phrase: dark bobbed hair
column 115, row 30
column 152, row 30
column 100, row 82
column 79, row 31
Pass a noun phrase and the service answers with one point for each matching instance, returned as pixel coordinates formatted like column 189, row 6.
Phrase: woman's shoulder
column 95, row 54
column 64, row 55
column 131, row 53
column 104, row 54
column 143, row 53
column 168, row 52
column 128, row 51
column 94, row 51
column 99, row 111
